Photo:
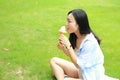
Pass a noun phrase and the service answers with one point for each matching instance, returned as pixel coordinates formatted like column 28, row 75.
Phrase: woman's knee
column 53, row 60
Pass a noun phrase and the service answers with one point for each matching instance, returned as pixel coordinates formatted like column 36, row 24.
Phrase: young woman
column 82, row 48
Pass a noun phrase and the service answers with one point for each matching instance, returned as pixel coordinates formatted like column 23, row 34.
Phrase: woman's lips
column 67, row 29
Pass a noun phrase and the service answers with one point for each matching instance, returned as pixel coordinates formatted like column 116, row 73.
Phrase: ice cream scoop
column 62, row 30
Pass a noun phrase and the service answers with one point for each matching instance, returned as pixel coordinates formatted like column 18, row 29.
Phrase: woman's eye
column 69, row 21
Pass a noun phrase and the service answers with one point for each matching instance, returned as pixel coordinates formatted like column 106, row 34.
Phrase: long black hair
column 83, row 23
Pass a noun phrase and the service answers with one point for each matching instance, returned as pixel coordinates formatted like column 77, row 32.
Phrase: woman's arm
column 73, row 56
column 65, row 45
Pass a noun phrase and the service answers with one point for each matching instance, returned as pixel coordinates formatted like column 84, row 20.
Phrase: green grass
column 29, row 34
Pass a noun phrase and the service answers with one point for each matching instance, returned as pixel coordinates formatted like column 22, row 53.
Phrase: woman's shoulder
column 89, row 40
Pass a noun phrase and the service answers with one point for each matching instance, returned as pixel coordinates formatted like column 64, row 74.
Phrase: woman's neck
column 80, row 36
column 79, row 39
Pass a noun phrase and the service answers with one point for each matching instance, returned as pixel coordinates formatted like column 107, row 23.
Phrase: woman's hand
column 60, row 45
column 63, row 42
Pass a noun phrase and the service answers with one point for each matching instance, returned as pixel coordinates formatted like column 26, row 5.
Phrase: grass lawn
column 29, row 34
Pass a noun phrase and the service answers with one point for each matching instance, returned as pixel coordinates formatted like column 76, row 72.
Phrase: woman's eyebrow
column 68, row 19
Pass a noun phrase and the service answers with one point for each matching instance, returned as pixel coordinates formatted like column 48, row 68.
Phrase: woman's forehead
column 70, row 16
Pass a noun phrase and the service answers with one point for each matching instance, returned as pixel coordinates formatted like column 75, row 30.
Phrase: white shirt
column 90, row 59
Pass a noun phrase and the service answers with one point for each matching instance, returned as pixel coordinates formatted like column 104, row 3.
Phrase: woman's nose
column 66, row 23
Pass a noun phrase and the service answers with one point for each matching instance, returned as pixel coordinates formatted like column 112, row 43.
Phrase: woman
column 82, row 48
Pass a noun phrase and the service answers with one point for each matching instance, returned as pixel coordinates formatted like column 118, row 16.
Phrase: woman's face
column 71, row 25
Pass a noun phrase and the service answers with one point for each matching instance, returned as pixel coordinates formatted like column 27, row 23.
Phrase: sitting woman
column 82, row 48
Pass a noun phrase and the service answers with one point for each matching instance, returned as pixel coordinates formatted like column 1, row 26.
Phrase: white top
column 90, row 59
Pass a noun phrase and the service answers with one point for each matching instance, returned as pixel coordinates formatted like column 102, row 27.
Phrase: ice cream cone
column 62, row 30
